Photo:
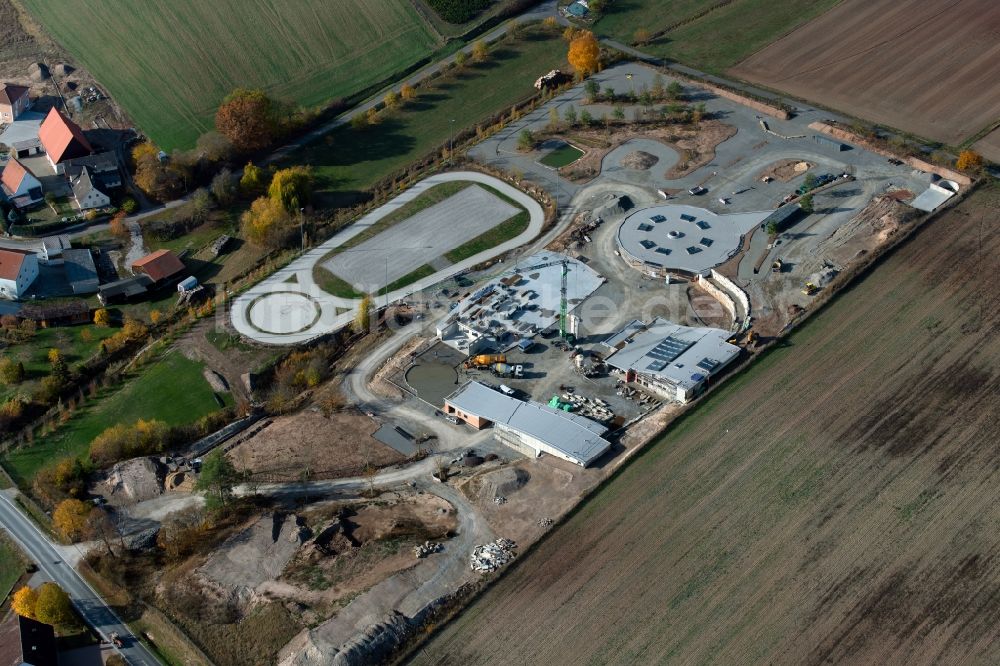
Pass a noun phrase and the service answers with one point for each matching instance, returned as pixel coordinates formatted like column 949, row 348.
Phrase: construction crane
column 563, row 288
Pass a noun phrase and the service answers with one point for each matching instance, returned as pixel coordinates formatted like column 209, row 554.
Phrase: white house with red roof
column 62, row 139
column 18, row 269
column 21, row 187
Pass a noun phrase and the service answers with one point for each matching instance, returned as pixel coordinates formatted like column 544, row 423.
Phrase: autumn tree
column 642, row 36
column 223, row 187
column 25, row 602
column 117, row 225
column 480, row 52
column 969, row 160
column 551, row 24
column 362, row 319
column 58, row 364
column 11, row 371
column 214, row 147
column 159, row 179
column 391, row 100
column 461, row 58
column 53, row 606
column 70, row 518
column 248, row 118
column 584, row 53
column 102, row 317
column 217, row 478
column 266, row 224
column 292, row 187
column 253, row 180
column 408, row 92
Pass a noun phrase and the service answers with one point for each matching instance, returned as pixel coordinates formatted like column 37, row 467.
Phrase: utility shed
column 81, row 273
column 784, row 217
column 529, row 427
column 827, row 142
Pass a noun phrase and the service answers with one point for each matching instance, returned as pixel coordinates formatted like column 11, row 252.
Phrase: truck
column 116, row 640
column 484, row 361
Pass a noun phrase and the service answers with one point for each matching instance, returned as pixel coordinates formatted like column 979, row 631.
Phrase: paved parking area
column 421, row 239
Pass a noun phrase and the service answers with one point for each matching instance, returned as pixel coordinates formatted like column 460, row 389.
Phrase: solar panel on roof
column 657, row 219
column 688, row 218
column 656, row 366
column 707, row 242
column 693, row 249
column 708, row 364
column 669, row 349
column 645, row 227
column 648, row 244
column 702, row 224
column 663, row 250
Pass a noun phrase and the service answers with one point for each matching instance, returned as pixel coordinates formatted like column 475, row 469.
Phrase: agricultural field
column 989, row 146
column 872, row 60
column 172, row 390
column 170, row 64
column 835, row 503
column 706, row 34
column 348, row 160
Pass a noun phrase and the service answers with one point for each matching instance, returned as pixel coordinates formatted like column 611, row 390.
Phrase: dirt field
column 834, row 504
column 309, row 443
column 924, row 67
column 989, row 146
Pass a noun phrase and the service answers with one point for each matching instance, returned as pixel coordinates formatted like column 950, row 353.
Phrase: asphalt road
column 93, row 609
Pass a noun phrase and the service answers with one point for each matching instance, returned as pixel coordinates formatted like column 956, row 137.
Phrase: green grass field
column 11, row 566
column 503, row 232
column 562, row 156
column 169, row 64
column 348, row 160
column 713, row 42
column 34, row 354
column 172, row 390
column 408, row 279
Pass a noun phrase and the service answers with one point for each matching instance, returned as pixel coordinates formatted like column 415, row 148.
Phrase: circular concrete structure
column 283, row 312
column 686, row 239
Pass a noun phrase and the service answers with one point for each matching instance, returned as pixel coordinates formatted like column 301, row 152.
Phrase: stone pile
column 426, row 548
column 491, row 556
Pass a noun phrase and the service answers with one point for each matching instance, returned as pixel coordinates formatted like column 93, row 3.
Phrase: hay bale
column 639, row 160
column 62, row 69
column 38, row 71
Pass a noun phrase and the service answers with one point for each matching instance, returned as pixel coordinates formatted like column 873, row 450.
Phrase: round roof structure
column 684, row 238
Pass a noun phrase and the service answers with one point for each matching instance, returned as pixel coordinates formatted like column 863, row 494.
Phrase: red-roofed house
column 21, row 186
column 18, row 269
column 160, row 266
column 14, row 100
column 62, row 139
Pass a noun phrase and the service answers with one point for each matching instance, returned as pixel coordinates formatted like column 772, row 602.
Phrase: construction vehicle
column 484, row 361
column 809, row 289
column 777, row 266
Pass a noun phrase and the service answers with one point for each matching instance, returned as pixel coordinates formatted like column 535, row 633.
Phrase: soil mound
column 639, row 160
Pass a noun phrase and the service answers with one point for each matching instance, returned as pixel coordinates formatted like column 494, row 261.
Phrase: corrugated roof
column 574, row 436
column 159, row 265
column 62, row 138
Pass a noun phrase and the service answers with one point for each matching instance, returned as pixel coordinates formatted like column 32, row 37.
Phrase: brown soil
column 989, row 146
column 784, row 170
column 924, row 67
column 231, row 363
column 308, row 444
column 639, row 160
column 696, row 141
column 836, row 504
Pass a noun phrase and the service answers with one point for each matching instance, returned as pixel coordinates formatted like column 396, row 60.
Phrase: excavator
column 809, row 289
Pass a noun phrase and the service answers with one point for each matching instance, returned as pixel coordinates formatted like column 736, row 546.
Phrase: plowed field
column 924, row 67
column 837, row 503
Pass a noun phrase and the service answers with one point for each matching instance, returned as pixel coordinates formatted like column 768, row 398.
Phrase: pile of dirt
column 216, row 381
column 255, row 555
column 784, row 170
column 502, row 482
column 63, row 69
column 38, row 72
column 132, row 481
column 616, row 205
column 639, row 160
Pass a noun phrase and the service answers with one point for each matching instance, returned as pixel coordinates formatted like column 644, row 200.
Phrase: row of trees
column 48, row 604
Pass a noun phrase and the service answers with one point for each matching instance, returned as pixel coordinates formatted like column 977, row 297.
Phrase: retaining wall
column 724, row 299
column 734, row 290
column 746, row 101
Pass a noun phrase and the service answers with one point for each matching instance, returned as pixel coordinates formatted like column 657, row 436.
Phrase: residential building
column 85, row 192
column 671, row 360
column 529, row 427
column 81, row 273
column 20, row 186
column 18, row 270
column 38, row 643
column 161, row 267
column 14, row 100
column 62, row 139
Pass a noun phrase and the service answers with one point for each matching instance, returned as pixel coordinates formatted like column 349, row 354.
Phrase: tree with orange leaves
column 969, row 160
column 247, row 118
column 584, row 53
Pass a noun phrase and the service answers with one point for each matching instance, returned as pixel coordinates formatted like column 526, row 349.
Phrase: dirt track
column 924, row 67
column 835, row 504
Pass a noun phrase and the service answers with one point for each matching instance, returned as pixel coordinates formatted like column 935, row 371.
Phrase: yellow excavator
column 809, row 289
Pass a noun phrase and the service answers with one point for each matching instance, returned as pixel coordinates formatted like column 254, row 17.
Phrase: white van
column 506, row 390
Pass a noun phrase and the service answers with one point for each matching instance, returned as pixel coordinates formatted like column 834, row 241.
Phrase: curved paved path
column 290, row 308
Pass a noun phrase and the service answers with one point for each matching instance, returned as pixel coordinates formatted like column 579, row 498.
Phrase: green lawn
column 11, row 566
column 719, row 39
column 408, row 279
column 504, row 231
column 172, row 390
column 347, row 161
column 35, row 353
column 334, row 285
column 562, row 156
column 169, row 64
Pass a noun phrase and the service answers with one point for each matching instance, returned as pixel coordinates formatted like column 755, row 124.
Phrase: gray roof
column 80, row 271
column 680, row 355
column 573, row 436
column 83, row 185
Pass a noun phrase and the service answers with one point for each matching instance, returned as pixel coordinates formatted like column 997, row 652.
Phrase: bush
column 121, row 442
column 129, row 205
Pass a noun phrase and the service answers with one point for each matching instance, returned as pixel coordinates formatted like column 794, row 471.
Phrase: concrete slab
column 421, row 239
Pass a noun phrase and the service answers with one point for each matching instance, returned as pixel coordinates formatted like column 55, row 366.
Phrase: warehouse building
column 529, row 427
column 674, row 361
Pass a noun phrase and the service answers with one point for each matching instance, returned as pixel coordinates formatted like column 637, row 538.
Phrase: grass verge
column 501, row 233
column 408, row 279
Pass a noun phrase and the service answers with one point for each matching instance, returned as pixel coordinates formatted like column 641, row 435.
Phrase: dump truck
column 484, row 360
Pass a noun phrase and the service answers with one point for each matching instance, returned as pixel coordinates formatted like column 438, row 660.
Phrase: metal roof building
column 530, row 427
column 80, row 271
column 673, row 360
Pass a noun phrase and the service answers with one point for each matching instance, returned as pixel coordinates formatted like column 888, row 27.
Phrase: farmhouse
column 18, row 269
column 14, row 100
column 38, row 643
column 674, row 361
column 62, row 139
column 529, row 427
column 85, row 192
column 20, row 186
column 161, row 266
